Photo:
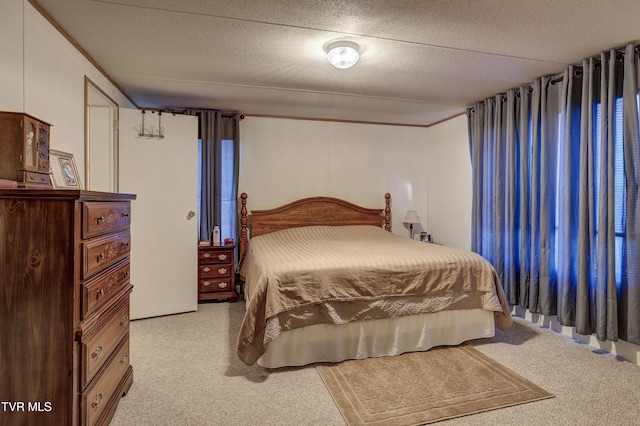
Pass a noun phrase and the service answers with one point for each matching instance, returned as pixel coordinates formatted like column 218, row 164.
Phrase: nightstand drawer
column 215, row 256
column 215, row 285
column 214, row 271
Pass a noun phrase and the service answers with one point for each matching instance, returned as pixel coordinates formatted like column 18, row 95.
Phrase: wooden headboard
column 312, row 211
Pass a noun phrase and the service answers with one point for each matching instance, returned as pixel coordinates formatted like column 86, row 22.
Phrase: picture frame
column 64, row 172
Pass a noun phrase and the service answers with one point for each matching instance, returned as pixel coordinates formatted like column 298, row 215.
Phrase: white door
column 164, row 232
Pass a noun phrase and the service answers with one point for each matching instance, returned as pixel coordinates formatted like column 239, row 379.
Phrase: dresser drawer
column 98, row 289
column 99, row 347
column 97, row 397
column 215, row 256
column 102, row 252
column 103, row 217
column 219, row 270
column 215, row 285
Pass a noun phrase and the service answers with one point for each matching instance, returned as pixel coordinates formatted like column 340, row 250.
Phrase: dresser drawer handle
column 125, row 245
column 125, row 321
column 96, row 354
column 99, row 220
column 125, row 215
column 124, row 358
column 206, row 254
column 100, row 257
column 222, row 271
column 99, row 293
column 32, row 177
column 206, row 269
column 96, row 402
column 207, row 283
column 222, row 257
column 222, row 285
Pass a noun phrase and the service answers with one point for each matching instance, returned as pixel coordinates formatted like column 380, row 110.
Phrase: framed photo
column 64, row 172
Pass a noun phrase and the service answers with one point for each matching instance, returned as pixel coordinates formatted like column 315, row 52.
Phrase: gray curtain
column 217, row 200
column 555, row 194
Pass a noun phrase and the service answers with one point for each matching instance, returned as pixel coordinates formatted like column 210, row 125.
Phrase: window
column 227, row 215
column 619, row 193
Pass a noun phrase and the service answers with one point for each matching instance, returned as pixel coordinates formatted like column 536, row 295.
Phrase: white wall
column 11, row 41
column 42, row 74
column 282, row 160
column 449, row 183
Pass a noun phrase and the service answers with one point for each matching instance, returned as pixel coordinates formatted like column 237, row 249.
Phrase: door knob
column 191, row 214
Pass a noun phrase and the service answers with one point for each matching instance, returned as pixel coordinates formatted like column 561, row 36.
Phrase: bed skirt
column 376, row 338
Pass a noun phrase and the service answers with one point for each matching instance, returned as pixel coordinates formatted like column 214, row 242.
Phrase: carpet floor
column 185, row 372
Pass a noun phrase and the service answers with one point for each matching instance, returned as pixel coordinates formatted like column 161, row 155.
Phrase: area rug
column 424, row 387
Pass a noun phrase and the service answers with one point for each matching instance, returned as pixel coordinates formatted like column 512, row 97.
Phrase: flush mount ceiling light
column 343, row 54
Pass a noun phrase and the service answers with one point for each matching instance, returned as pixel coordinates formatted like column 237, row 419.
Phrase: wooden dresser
column 216, row 273
column 64, row 306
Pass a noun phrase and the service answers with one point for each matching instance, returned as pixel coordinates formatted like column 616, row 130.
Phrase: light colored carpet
column 424, row 387
column 185, row 372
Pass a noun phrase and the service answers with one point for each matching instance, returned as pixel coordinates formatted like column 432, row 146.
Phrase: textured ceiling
column 421, row 61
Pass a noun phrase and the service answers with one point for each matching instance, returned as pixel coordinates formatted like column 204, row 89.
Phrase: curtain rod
column 184, row 110
column 619, row 50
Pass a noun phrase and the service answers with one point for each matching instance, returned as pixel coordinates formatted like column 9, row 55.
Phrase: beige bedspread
column 330, row 274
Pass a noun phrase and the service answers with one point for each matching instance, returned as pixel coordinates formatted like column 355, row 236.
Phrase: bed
column 325, row 280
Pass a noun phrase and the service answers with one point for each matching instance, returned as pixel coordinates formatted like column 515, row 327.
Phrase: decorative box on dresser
column 216, row 273
column 24, row 144
column 64, row 305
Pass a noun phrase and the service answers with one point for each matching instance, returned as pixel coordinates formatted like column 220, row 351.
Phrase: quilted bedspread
column 339, row 274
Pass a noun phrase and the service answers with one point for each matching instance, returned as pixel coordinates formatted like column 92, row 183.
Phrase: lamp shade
column 343, row 54
column 411, row 217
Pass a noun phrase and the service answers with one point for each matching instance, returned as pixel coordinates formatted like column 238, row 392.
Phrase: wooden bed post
column 387, row 212
column 243, row 225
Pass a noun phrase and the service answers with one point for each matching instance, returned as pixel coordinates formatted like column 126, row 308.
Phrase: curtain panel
column 219, row 134
column 556, row 208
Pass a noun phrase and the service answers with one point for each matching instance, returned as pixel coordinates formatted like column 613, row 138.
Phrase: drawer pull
column 100, row 257
column 222, row 257
column 96, row 402
column 125, row 245
column 125, row 321
column 99, row 293
column 223, row 285
column 99, row 220
column 124, row 358
column 96, row 354
column 206, row 269
column 206, row 254
column 222, row 271
column 125, row 215
column 207, row 283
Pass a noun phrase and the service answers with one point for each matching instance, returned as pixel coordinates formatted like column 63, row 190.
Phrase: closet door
column 163, row 173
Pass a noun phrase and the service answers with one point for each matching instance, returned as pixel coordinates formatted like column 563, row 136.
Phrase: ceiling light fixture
column 343, row 54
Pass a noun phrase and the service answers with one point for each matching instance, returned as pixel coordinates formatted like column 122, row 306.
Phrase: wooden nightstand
column 216, row 273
